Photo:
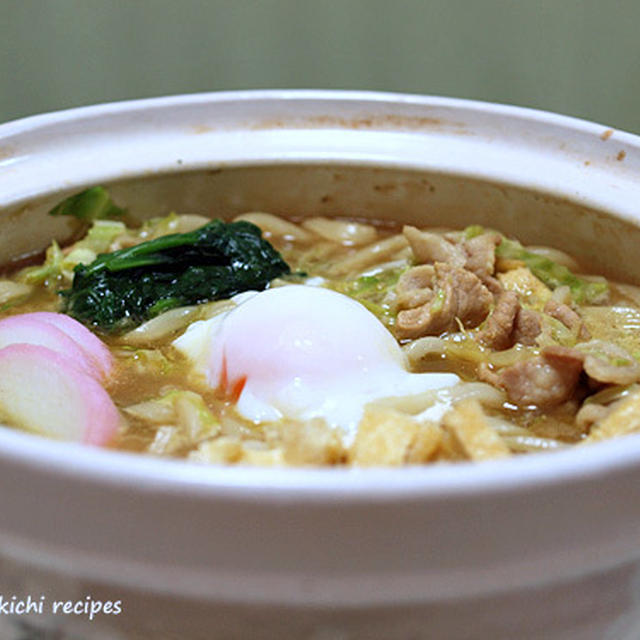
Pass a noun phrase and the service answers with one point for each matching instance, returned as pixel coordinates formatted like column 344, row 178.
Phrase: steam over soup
column 317, row 341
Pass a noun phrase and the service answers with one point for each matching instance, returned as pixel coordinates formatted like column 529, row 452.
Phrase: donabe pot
column 545, row 546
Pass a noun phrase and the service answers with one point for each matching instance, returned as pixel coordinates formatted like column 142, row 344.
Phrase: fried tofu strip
column 623, row 420
column 309, row 443
column 387, row 437
column 531, row 290
column 467, row 425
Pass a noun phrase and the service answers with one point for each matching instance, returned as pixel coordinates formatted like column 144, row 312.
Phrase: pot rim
column 496, row 142
column 282, row 484
column 471, row 125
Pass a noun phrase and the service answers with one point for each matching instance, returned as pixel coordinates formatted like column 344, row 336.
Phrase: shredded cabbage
column 553, row 274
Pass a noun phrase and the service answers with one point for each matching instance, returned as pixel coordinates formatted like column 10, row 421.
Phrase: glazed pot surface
column 456, row 551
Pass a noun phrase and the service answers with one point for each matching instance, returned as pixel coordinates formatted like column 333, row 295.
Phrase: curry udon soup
column 274, row 341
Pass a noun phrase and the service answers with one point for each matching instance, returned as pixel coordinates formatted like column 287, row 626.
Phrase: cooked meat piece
column 569, row 318
column 414, row 323
column 476, row 255
column 429, row 248
column 609, row 363
column 481, row 254
column 470, row 299
column 493, row 284
column 414, row 287
column 458, row 295
column 509, row 323
column 545, row 381
column 498, row 330
column 527, row 327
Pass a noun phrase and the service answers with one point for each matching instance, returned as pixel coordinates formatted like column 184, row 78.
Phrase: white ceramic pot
column 545, row 546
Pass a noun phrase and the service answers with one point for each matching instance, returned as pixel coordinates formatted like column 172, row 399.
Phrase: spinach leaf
column 120, row 290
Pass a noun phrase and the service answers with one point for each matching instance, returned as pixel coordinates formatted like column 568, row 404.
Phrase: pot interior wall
column 605, row 243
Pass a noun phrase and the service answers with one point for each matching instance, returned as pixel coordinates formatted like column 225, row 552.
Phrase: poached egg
column 303, row 352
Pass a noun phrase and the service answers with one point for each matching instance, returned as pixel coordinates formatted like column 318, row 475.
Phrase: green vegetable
column 101, row 234
column 553, row 274
column 49, row 272
column 90, row 204
column 120, row 290
column 473, row 231
column 204, row 423
column 373, row 291
column 438, row 301
column 57, row 269
column 98, row 240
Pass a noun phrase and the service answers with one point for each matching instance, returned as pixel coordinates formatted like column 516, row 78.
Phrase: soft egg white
column 303, row 352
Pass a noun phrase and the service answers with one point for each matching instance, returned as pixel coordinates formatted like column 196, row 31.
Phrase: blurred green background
column 578, row 57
